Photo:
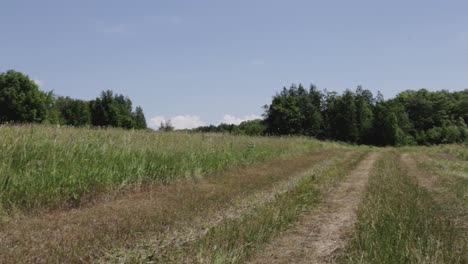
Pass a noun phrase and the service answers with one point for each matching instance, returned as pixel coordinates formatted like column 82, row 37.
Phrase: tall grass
column 235, row 239
column 399, row 223
column 48, row 166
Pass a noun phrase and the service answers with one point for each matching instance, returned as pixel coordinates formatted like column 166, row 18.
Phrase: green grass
column 234, row 240
column 398, row 222
column 453, row 175
column 48, row 166
column 459, row 151
column 449, row 163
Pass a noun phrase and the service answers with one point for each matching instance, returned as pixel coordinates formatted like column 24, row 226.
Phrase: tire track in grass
column 427, row 181
column 82, row 235
column 197, row 228
column 323, row 231
column 453, row 208
column 236, row 239
column 398, row 220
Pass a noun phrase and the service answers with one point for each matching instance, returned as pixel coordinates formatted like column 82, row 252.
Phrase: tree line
column 251, row 128
column 21, row 101
column 412, row 117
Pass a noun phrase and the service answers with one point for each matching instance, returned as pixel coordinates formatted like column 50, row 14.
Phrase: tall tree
column 112, row 110
column 284, row 115
column 140, row 121
column 345, row 120
column 21, row 100
column 73, row 112
column 364, row 114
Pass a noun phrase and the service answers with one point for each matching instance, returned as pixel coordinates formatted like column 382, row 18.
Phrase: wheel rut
column 324, row 231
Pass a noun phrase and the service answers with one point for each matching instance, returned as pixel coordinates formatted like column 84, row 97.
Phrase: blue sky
column 200, row 62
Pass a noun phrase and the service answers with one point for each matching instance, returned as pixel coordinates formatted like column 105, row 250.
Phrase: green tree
column 73, row 112
column 411, row 117
column 309, row 103
column 104, row 110
column 284, row 116
column 252, row 127
column 21, row 100
column 342, row 116
column 116, row 111
column 140, row 120
column 385, row 127
column 364, row 115
column 460, row 107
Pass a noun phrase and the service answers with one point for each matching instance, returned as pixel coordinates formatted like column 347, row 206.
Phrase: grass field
column 76, row 195
column 51, row 166
column 398, row 221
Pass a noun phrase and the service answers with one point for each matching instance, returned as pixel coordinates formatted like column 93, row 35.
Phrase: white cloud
column 230, row 119
column 193, row 121
column 186, row 121
column 155, row 122
column 39, row 83
column 179, row 122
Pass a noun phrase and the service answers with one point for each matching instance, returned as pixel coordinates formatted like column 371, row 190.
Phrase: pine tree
column 140, row 121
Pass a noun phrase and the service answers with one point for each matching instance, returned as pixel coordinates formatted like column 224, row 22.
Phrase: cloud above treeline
column 230, row 119
column 193, row 121
column 179, row 122
column 39, row 83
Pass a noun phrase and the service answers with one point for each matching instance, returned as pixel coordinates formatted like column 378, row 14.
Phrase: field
column 77, row 195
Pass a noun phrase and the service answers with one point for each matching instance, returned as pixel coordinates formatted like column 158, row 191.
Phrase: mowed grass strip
column 458, row 151
column 398, row 221
column 49, row 166
column 84, row 234
column 451, row 177
column 235, row 239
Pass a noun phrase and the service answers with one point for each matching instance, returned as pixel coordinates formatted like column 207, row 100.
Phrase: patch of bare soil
column 81, row 235
column 324, row 231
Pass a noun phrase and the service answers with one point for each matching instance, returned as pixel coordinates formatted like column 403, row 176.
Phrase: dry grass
column 50, row 167
column 322, row 232
column 82, row 195
column 235, row 239
column 83, row 234
column 399, row 221
column 446, row 178
column 197, row 228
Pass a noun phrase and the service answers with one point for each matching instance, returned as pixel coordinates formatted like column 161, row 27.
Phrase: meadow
column 50, row 166
column 80, row 195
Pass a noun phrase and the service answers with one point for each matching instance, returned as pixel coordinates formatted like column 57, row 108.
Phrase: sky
column 205, row 62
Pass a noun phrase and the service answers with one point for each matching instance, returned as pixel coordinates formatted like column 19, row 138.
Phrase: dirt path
column 323, row 231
